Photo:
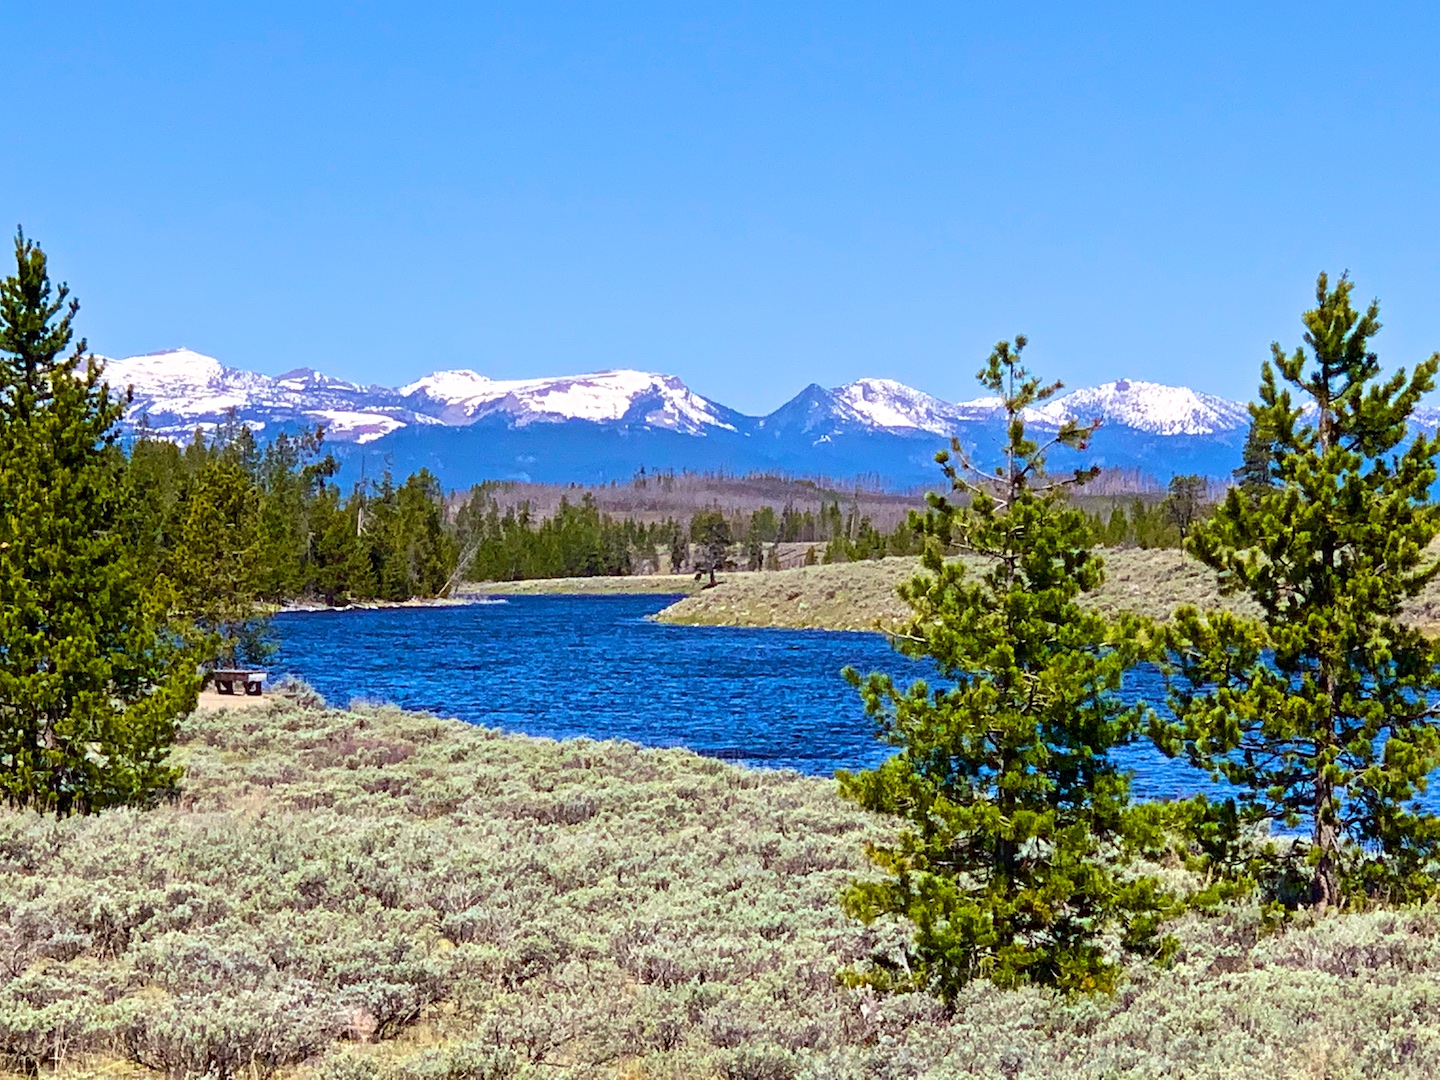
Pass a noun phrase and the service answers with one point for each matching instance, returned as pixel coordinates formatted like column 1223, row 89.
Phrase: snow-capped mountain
column 466, row 427
column 659, row 401
column 885, row 403
column 177, row 391
column 182, row 382
column 1150, row 407
column 877, row 405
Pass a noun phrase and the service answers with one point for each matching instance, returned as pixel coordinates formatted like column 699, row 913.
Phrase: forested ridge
column 234, row 520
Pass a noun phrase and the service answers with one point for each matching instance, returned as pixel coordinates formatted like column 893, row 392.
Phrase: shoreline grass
column 630, row 585
column 861, row 595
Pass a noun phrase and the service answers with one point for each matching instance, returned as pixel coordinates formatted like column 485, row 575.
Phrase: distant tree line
column 511, row 543
column 1151, row 524
column 233, row 524
column 576, row 541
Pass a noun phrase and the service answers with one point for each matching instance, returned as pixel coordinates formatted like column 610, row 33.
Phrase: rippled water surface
column 596, row 666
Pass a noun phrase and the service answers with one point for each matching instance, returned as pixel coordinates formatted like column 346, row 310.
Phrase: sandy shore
column 210, row 698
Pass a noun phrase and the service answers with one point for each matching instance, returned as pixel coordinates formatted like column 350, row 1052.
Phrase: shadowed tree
column 1183, row 503
column 710, row 532
column 1256, row 457
column 92, row 679
column 216, row 562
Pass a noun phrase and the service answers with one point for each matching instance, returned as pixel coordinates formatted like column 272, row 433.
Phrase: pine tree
column 1183, row 502
column 1320, row 712
column 339, row 568
column 1117, row 528
column 215, row 564
column 423, row 548
column 1254, row 473
column 679, row 546
column 710, row 533
column 91, row 678
column 287, row 479
column 1004, row 775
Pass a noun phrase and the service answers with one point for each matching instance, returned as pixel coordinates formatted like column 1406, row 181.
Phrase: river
column 597, row 666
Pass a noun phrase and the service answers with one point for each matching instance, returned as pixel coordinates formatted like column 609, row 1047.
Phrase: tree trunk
column 1325, row 885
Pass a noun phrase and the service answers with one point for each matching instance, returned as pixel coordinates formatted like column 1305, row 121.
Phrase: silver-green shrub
column 380, row 894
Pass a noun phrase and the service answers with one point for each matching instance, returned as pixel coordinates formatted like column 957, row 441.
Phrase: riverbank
column 338, row 895
column 632, row 585
column 861, row 596
column 383, row 605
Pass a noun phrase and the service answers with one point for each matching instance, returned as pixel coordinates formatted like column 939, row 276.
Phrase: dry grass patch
column 635, row 584
column 861, row 596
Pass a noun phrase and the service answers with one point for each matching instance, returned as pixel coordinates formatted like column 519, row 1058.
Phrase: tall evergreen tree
column 1183, row 503
column 679, row 547
column 710, row 533
column 289, row 478
column 1320, row 713
column 216, row 563
column 1004, row 776
column 1256, row 457
column 91, row 678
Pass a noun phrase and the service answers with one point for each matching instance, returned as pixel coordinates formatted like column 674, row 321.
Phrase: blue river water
column 597, row 666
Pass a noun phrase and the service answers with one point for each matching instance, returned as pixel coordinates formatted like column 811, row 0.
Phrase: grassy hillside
column 378, row 894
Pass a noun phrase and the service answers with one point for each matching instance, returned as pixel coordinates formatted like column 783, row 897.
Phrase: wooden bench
column 228, row 679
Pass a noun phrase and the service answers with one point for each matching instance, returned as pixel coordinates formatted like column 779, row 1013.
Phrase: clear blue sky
column 752, row 197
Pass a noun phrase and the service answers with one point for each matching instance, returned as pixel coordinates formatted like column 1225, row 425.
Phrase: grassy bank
column 636, row 584
column 861, row 596
column 378, row 894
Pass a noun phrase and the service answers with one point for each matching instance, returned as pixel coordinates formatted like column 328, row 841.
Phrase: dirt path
column 212, row 699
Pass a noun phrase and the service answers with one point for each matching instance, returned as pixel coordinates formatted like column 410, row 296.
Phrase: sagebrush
column 375, row 893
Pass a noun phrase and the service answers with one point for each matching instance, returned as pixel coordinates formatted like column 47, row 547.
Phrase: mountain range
column 606, row 426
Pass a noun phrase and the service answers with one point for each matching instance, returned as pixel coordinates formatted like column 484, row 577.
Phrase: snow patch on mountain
column 661, row 401
column 179, row 390
column 184, row 382
column 308, row 380
column 450, row 387
column 1150, row 407
column 356, row 427
column 1153, row 408
column 886, row 403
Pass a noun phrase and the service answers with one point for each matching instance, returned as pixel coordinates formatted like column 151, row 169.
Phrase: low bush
column 293, row 916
